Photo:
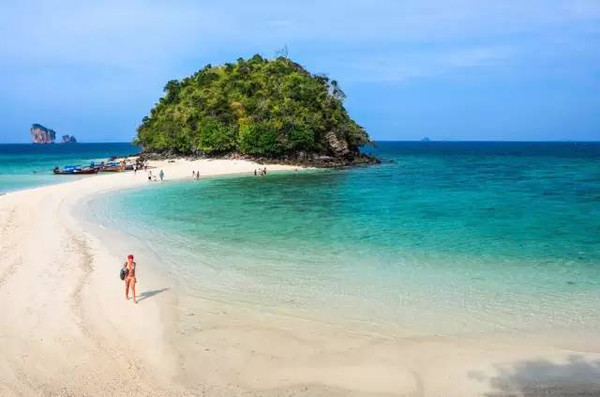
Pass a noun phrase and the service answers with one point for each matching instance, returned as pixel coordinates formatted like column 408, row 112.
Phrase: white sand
column 66, row 329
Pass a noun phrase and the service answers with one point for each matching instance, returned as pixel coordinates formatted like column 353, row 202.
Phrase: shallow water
column 26, row 165
column 441, row 238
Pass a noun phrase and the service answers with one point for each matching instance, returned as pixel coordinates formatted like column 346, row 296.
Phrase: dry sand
column 66, row 329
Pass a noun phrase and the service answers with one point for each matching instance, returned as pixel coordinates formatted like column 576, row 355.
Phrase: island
column 260, row 109
column 43, row 135
column 68, row 139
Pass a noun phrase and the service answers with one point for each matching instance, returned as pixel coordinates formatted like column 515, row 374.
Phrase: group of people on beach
column 260, row 171
column 152, row 177
column 139, row 165
column 128, row 269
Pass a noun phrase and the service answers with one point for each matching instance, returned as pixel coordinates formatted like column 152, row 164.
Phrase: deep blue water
column 439, row 238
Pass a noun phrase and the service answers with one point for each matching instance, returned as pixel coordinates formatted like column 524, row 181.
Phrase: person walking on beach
column 193, row 174
column 130, row 279
column 161, row 174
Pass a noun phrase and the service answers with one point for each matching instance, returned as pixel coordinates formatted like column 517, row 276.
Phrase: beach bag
column 123, row 273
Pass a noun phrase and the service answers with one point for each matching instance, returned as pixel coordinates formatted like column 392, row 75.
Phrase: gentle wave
column 446, row 238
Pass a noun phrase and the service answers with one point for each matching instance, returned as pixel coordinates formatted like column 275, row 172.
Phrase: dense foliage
column 257, row 107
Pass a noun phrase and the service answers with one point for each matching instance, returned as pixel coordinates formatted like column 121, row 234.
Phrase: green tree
column 257, row 107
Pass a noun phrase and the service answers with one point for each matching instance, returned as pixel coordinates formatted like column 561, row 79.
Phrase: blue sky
column 446, row 69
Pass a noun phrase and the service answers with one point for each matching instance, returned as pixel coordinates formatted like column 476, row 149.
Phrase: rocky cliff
column 41, row 134
column 68, row 139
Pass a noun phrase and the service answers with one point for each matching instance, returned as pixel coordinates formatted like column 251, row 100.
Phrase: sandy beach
column 66, row 328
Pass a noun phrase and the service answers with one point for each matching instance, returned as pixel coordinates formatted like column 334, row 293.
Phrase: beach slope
column 66, row 328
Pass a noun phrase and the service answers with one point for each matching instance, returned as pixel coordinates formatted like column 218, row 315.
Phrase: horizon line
column 378, row 140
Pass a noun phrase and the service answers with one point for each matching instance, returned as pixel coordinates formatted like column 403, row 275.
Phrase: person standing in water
column 130, row 279
column 161, row 174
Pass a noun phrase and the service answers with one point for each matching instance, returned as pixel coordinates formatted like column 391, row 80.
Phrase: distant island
column 43, row 135
column 269, row 110
column 68, row 139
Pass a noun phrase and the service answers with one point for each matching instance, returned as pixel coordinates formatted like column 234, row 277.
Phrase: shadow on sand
column 150, row 294
column 576, row 377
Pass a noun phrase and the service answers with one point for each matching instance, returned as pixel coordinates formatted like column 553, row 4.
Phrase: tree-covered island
column 271, row 110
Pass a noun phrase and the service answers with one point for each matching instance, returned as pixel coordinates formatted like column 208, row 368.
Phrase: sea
column 26, row 165
column 441, row 238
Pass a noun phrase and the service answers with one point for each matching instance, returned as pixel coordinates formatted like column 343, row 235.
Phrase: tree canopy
column 256, row 107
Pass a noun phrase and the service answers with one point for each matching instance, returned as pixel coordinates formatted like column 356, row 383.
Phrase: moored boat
column 75, row 170
column 113, row 166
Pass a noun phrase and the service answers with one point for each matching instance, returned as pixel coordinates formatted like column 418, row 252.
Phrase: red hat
column 130, row 256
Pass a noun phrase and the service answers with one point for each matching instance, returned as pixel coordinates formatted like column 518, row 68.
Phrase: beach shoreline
column 66, row 322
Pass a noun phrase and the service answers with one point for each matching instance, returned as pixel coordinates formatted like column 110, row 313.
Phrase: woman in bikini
column 130, row 277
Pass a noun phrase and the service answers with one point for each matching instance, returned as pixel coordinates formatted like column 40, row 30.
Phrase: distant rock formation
column 41, row 134
column 425, row 140
column 68, row 139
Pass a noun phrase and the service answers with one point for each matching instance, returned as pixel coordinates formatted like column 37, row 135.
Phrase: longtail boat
column 75, row 170
column 112, row 167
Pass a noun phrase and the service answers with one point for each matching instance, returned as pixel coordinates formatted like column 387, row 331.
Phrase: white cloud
column 394, row 39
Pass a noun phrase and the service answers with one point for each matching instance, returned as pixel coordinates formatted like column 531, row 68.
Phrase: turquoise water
column 440, row 238
column 26, row 165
